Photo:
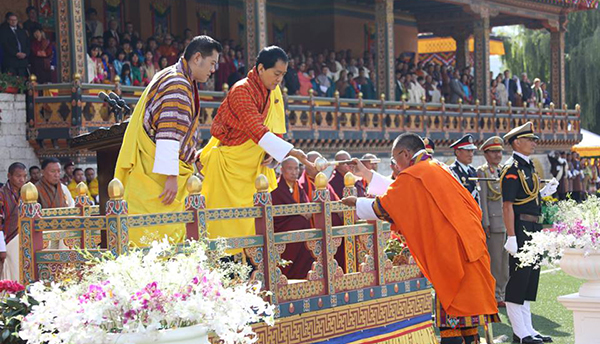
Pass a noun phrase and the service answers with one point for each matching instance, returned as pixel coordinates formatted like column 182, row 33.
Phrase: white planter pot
column 185, row 335
column 586, row 267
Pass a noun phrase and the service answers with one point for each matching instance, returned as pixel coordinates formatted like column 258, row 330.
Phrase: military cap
column 465, row 142
column 526, row 130
column 494, row 143
column 429, row 145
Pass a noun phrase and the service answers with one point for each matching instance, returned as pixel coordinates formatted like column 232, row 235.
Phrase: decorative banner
column 161, row 17
column 113, row 10
column 207, row 20
column 370, row 41
column 280, row 34
column 46, row 14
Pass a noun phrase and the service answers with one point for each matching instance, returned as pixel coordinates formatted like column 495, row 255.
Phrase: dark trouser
column 523, row 282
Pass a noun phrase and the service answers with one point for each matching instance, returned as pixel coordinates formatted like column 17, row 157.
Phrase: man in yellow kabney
column 159, row 147
column 246, row 138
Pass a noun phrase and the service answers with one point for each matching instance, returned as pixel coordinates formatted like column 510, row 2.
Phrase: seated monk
column 307, row 182
column 441, row 223
column 289, row 191
column 337, row 177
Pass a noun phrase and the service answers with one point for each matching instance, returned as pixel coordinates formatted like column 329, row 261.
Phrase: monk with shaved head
column 289, row 191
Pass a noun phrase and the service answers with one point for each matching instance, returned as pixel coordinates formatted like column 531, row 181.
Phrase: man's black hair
column 48, row 161
column 269, row 56
column 16, row 166
column 204, row 45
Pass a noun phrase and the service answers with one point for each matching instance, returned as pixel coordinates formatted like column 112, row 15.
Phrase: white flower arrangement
column 145, row 292
column 576, row 226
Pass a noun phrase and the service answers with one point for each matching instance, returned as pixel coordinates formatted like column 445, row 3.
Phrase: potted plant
column 165, row 295
column 12, row 84
column 573, row 241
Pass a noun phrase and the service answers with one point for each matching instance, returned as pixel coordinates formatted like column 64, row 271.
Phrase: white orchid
column 576, row 226
column 144, row 292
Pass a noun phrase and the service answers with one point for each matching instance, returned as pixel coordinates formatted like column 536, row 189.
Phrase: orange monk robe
column 296, row 252
column 442, row 225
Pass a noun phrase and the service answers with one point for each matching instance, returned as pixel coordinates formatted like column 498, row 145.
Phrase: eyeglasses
column 393, row 161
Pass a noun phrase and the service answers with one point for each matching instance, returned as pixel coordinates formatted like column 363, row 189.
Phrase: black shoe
column 526, row 340
column 545, row 339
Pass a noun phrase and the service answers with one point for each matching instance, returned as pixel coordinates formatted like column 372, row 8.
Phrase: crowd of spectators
column 121, row 51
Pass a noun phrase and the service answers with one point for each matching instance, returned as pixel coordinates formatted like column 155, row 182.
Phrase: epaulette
column 482, row 167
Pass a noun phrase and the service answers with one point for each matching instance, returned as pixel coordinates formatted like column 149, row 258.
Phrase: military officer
column 491, row 208
column 521, row 192
column 464, row 150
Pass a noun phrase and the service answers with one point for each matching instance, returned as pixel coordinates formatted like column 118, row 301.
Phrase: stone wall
column 13, row 140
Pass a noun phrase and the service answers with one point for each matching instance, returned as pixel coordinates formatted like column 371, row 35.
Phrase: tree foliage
column 529, row 51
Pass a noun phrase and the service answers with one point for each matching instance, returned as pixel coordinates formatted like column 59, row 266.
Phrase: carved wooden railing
column 58, row 112
column 367, row 274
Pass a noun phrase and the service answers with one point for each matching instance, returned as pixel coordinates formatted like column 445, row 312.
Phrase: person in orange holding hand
column 441, row 223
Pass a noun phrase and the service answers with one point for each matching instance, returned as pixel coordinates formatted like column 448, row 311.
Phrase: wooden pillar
column 256, row 29
column 461, row 37
column 384, row 17
column 30, row 240
column 557, row 56
column 481, row 35
column 350, row 241
column 72, row 51
column 116, row 219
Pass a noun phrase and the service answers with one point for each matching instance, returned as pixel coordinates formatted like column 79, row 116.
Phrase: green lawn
column 549, row 316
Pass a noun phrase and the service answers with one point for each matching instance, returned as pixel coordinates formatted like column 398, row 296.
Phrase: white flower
column 144, row 292
column 576, row 226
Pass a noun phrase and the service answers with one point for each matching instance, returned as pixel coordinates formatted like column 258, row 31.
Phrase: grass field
column 549, row 316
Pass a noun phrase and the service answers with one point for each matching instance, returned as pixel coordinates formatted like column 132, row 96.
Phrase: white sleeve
column 364, row 208
column 379, row 184
column 166, row 158
column 276, row 147
column 68, row 196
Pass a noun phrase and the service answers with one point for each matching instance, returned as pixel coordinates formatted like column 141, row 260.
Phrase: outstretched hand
column 350, row 201
column 301, row 156
column 360, row 170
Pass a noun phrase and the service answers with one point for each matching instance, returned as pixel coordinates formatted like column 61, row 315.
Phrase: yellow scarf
column 142, row 186
column 230, row 172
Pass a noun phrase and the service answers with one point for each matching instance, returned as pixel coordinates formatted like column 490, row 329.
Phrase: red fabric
column 170, row 53
column 242, row 114
column 296, row 252
column 9, row 211
column 442, row 225
column 337, row 183
column 226, row 68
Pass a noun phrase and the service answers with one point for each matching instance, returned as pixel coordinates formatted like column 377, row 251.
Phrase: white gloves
column 511, row 245
column 562, row 160
column 550, row 188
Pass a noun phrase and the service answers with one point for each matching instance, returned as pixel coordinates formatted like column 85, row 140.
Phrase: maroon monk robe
column 337, row 183
column 296, row 252
column 308, row 184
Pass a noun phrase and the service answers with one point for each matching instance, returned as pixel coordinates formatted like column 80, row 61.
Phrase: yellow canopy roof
column 434, row 44
column 589, row 145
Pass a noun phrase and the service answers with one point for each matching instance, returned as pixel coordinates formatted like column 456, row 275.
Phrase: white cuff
column 166, row 158
column 379, row 184
column 364, row 208
column 274, row 146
